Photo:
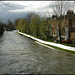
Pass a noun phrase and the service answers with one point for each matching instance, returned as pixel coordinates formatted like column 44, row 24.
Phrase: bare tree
column 2, row 4
column 60, row 8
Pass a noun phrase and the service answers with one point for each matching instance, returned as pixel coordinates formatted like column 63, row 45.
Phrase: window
column 73, row 25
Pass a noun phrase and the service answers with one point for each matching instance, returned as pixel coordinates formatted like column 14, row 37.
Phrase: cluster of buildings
column 67, row 26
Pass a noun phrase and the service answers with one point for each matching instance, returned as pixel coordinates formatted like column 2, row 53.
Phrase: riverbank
column 67, row 48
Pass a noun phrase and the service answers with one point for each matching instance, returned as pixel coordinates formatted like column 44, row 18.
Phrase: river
column 22, row 55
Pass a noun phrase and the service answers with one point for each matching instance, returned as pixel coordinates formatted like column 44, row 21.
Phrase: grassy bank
column 73, row 52
column 51, row 40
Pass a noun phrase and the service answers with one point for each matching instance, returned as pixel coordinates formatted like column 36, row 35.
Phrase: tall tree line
column 34, row 25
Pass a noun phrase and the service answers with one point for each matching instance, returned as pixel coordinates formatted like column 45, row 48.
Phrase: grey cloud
column 5, row 14
column 10, row 6
column 12, row 16
column 46, row 7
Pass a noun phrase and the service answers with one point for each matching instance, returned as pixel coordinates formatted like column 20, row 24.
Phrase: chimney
column 54, row 16
column 70, row 13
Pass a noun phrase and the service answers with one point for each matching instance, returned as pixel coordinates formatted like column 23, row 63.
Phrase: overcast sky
column 19, row 9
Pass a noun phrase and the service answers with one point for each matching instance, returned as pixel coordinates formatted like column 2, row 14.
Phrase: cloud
column 17, row 9
column 35, row 6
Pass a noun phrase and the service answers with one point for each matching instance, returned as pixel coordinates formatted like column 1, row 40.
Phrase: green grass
column 17, row 32
column 68, row 44
column 49, row 40
column 73, row 52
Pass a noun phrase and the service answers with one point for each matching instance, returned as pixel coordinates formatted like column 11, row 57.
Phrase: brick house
column 55, row 27
column 71, row 18
column 67, row 26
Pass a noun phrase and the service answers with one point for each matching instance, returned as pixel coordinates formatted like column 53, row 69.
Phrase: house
column 71, row 18
column 67, row 26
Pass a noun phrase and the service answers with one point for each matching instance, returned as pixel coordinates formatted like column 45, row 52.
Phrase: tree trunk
column 37, row 34
column 60, row 31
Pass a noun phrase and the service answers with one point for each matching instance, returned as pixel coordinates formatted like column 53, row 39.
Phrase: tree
column 10, row 25
column 16, row 22
column 28, row 18
column 50, row 29
column 60, row 8
column 2, row 5
column 43, row 30
column 22, row 25
column 1, row 28
column 34, row 25
column 1, row 24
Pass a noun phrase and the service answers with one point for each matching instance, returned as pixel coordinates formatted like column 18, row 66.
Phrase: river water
column 21, row 55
